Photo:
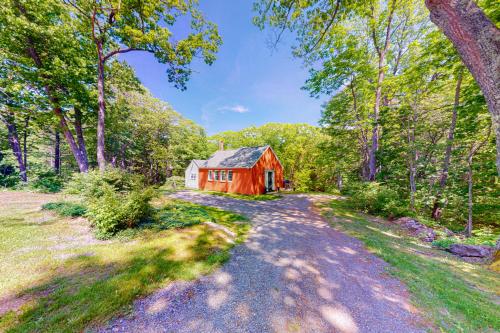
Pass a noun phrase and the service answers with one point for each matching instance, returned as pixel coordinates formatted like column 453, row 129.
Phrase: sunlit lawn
column 65, row 280
column 457, row 296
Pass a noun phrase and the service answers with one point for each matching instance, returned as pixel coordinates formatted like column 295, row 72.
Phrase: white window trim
column 223, row 172
column 216, row 175
column 210, row 176
column 232, row 176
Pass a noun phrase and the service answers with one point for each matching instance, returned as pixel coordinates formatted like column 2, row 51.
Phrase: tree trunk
column 413, row 158
column 436, row 209
column 477, row 40
column 8, row 120
column 57, row 153
column 25, row 139
column 101, row 112
column 79, row 135
column 80, row 160
column 372, row 163
column 363, row 135
column 413, row 186
column 468, row 230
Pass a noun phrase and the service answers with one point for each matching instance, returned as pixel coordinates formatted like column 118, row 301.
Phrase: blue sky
column 249, row 84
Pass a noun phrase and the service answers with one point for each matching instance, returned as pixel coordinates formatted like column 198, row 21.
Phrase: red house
column 247, row 170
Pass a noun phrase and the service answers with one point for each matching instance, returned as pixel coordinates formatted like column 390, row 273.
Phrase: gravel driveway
column 293, row 274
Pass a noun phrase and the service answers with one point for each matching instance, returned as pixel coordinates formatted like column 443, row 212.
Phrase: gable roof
column 200, row 163
column 244, row 157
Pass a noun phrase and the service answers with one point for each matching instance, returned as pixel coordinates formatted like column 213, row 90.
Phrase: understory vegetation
column 117, row 202
column 72, row 280
column 458, row 296
column 65, row 208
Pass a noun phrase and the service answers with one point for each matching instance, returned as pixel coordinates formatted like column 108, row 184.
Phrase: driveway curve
column 293, row 274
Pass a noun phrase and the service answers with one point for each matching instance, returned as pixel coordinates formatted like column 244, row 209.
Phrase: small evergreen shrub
column 91, row 185
column 113, row 211
column 47, row 182
column 64, row 208
column 116, row 200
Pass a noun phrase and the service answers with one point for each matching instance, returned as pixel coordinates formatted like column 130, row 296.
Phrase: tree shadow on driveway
column 293, row 274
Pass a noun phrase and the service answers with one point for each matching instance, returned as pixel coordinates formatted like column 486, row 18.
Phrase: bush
column 47, row 182
column 113, row 211
column 378, row 199
column 91, row 185
column 63, row 208
column 444, row 243
column 8, row 175
column 173, row 183
column 116, row 199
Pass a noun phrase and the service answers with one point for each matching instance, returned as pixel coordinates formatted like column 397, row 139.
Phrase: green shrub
column 113, row 211
column 444, row 243
column 173, row 183
column 8, row 175
column 483, row 236
column 47, row 182
column 65, row 208
column 116, row 199
column 91, row 185
column 378, row 199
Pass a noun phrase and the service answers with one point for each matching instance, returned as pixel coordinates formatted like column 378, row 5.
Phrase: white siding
column 191, row 170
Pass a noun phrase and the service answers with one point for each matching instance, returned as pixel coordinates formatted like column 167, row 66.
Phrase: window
column 223, row 176
column 193, row 176
column 216, row 175
column 230, row 175
column 210, row 176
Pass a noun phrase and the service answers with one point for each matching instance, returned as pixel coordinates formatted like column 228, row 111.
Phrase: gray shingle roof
column 200, row 163
column 236, row 158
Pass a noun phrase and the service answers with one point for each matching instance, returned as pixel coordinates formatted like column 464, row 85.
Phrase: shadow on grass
column 444, row 286
column 87, row 291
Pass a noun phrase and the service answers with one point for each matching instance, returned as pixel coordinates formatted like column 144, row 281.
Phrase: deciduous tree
column 117, row 27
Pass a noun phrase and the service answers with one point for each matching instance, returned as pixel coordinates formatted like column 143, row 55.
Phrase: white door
column 269, row 180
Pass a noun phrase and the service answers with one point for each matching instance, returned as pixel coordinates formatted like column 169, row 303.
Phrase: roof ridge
column 242, row 157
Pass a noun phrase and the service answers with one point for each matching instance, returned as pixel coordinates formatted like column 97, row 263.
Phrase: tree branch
column 328, row 26
column 112, row 53
column 284, row 24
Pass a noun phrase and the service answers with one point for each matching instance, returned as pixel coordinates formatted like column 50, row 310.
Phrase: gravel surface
column 293, row 274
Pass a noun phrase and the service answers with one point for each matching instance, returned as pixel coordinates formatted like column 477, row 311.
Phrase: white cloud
column 234, row 108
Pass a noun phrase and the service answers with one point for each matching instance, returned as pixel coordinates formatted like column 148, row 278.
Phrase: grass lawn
column 459, row 297
column 59, row 278
column 257, row 197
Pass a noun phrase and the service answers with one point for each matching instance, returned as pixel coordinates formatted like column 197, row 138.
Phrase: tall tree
column 44, row 49
column 341, row 40
column 477, row 40
column 117, row 26
column 436, row 207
